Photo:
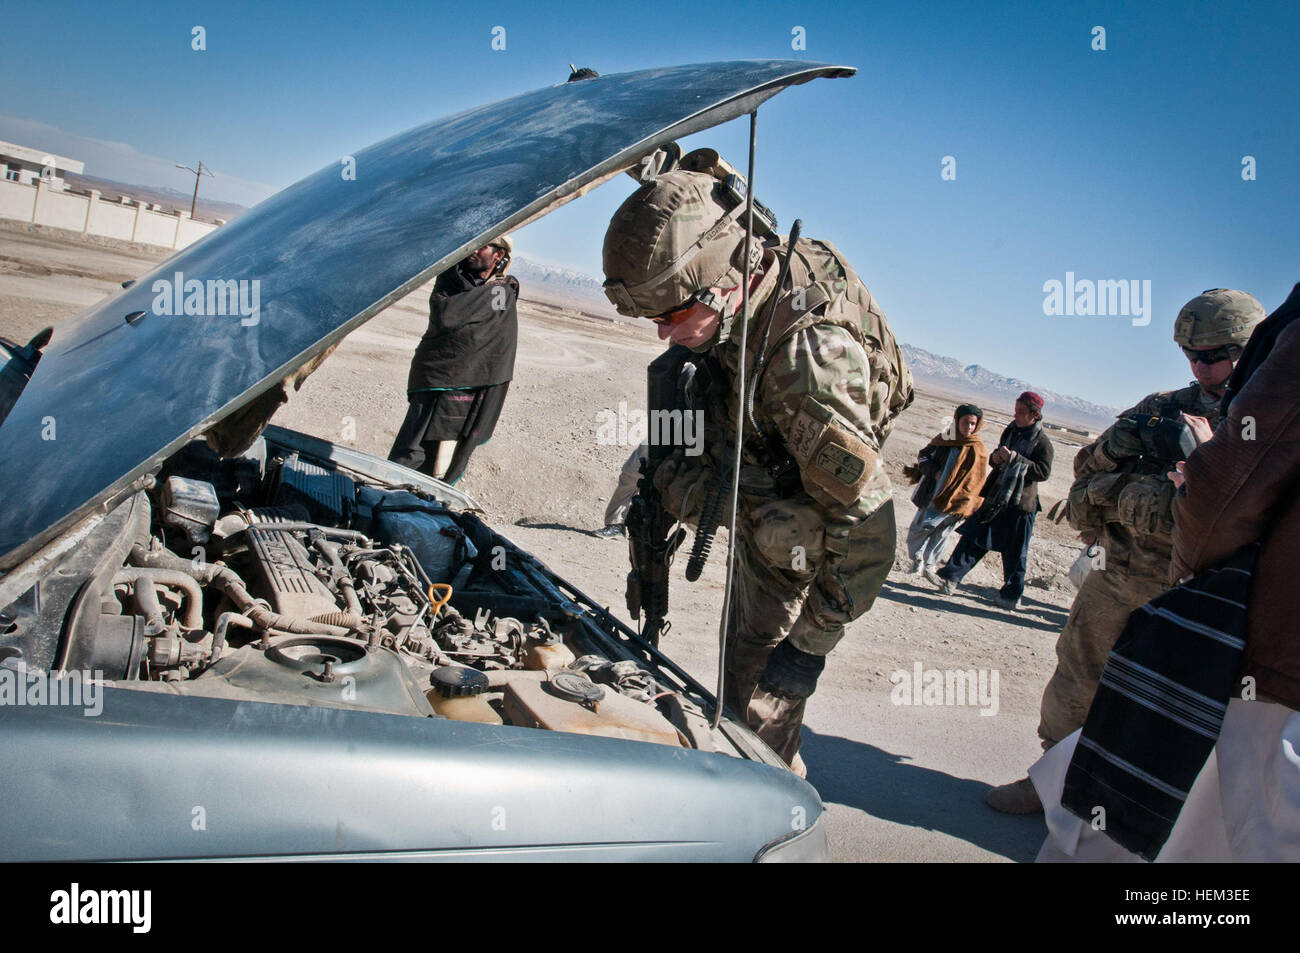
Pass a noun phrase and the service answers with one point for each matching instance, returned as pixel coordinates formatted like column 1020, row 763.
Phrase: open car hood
column 112, row 398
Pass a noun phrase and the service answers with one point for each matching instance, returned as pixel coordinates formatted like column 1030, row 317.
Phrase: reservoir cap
column 456, row 682
column 576, row 688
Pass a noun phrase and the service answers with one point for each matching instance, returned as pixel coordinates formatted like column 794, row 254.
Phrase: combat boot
column 1018, row 797
column 777, row 721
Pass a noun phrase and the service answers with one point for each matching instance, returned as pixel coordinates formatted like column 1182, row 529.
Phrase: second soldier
column 1122, row 501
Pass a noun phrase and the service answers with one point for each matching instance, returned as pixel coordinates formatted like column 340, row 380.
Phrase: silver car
column 225, row 640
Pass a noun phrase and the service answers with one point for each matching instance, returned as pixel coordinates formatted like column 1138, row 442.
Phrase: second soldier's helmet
column 676, row 235
column 1218, row 318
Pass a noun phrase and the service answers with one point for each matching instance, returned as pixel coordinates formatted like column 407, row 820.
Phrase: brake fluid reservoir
column 548, row 656
column 457, row 694
column 568, row 701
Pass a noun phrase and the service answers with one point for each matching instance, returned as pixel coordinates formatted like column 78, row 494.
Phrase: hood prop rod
column 740, row 430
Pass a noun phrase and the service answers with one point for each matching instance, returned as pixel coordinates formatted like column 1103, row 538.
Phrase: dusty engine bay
column 276, row 576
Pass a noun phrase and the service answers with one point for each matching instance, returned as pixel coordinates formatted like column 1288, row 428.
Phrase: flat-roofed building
column 26, row 165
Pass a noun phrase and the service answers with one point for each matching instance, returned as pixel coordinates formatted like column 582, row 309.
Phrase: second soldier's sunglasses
column 1212, row 356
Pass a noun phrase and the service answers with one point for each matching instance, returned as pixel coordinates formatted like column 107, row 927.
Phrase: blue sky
column 1122, row 164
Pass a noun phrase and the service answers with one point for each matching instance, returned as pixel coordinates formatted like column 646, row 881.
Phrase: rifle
column 651, row 539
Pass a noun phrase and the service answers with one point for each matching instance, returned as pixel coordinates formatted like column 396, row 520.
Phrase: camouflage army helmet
column 1218, row 318
column 676, row 236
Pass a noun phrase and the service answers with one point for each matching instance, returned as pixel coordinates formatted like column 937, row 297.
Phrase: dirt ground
column 901, row 782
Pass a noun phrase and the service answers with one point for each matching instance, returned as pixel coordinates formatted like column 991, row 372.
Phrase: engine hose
column 707, row 528
column 266, row 618
column 146, row 601
column 234, row 523
column 351, row 535
column 193, row 619
column 228, row 581
column 345, row 619
column 224, row 622
column 331, row 553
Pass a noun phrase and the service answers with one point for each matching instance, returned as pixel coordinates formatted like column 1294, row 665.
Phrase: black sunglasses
column 1212, row 356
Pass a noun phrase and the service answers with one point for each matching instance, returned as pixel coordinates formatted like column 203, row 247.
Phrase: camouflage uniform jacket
column 833, row 383
column 1118, row 498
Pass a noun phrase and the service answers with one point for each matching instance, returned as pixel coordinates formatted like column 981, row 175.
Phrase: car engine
column 276, row 576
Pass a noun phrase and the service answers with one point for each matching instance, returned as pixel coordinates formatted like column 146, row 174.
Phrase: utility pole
column 200, row 171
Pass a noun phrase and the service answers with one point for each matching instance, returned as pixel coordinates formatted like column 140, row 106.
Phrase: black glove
column 791, row 673
column 1125, row 440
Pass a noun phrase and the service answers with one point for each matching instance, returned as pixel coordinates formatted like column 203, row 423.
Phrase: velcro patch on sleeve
column 805, row 434
column 842, row 465
column 831, row 456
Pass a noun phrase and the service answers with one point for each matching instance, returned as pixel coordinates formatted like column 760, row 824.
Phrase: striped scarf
column 1160, row 706
column 1006, row 483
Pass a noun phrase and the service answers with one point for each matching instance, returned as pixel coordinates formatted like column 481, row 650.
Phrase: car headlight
column 798, row 847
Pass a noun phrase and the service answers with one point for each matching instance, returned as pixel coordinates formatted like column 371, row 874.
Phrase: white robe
column 1243, row 806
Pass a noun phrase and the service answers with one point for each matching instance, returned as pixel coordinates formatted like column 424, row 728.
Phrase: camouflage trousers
column 769, row 595
column 1100, row 611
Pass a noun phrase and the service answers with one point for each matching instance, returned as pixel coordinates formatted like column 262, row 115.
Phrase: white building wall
column 93, row 215
column 191, row 231
column 156, row 228
column 16, row 200
column 60, row 210
column 112, row 220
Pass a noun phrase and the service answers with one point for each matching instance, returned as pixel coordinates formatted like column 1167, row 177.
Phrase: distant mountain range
column 564, row 285
column 974, row 381
column 970, row 381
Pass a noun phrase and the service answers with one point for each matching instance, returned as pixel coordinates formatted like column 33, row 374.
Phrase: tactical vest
column 826, row 290
column 1186, row 400
column 1134, row 510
